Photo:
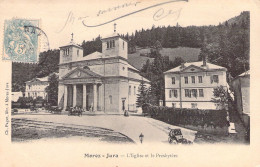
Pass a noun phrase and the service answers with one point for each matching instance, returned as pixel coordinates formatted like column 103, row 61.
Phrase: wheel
column 170, row 140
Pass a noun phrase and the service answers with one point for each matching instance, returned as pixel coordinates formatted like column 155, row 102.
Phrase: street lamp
column 141, row 136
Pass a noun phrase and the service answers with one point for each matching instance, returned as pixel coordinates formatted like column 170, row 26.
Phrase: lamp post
column 141, row 136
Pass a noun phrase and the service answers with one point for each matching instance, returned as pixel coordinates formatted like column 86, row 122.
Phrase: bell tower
column 70, row 52
column 114, row 45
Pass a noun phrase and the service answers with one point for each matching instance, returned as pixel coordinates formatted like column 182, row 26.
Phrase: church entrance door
column 123, row 104
column 87, row 105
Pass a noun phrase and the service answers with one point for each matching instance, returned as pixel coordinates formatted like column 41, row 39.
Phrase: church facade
column 100, row 81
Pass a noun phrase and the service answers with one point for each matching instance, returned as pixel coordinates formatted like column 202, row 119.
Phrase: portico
column 82, row 95
column 82, row 90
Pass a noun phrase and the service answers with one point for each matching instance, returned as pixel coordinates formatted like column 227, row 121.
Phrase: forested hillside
column 226, row 44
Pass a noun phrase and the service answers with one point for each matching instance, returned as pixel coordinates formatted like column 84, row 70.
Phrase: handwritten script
column 161, row 14
column 158, row 15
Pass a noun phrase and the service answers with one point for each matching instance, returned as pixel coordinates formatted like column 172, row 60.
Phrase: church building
column 101, row 81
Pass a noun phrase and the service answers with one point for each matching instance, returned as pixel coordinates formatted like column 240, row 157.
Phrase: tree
column 142, row 95
column 48, row 63
column 177, row 61
column 146, row 70
column 24, row 101
column 220, row 97
column 92, row 46
column 22, row 72
column 52, row 89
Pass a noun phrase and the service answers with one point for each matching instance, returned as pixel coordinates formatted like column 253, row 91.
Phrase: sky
column 58, row 19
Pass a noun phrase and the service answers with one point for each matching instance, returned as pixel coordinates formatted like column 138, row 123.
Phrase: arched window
column 107, row 44
column 110, row 99
column 129, row 92
column 78, row 52
column 134, row 90
column 123, row 45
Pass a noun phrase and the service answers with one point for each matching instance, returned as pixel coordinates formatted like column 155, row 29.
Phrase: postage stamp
column 20, row 40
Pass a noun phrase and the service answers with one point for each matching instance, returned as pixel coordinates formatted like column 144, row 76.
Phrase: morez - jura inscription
column 20, row 40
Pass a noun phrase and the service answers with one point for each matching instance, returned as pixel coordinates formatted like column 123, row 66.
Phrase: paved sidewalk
column 132, row 126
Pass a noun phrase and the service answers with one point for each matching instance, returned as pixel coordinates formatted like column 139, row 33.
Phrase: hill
column 138, row 61
column 243, row 18
column 186, row 53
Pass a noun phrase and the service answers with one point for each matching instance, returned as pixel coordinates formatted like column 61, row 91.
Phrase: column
column 84, row 95
column 74, row 95
column 95, row 97
column 65, row 97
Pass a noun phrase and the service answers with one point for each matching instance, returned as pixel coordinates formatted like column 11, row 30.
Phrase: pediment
column 193, row 68
column 81, row 73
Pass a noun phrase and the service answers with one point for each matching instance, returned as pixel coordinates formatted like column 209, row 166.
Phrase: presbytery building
column 191, row 85
column 99, row 81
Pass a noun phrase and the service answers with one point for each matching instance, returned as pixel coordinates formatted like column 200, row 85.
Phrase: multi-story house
column 191, row 85
column 36, row 87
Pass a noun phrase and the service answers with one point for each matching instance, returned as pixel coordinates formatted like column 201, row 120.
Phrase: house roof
column 42, row 79
column 198, row 64
column 137, row 76
column 92, row 56
column 114, row 34
column 245, row 73
column 72, row 43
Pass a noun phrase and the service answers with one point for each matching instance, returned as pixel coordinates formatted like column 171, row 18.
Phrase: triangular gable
column 193, row 68
column 81, row 73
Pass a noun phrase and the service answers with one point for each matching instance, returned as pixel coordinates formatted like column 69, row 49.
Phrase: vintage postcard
column 129, row 83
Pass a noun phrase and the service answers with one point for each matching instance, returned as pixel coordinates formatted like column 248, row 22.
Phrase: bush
column 184, row 116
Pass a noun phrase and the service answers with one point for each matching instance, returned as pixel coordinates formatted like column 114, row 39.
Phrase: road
column 104, row 128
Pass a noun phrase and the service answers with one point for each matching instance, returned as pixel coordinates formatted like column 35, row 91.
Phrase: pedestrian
column 125, row 112
column 228, row 119
column 91, row 107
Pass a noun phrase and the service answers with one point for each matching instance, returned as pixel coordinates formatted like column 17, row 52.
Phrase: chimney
column 205, row 59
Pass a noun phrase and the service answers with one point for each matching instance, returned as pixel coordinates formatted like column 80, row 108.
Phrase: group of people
column 77, row 109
